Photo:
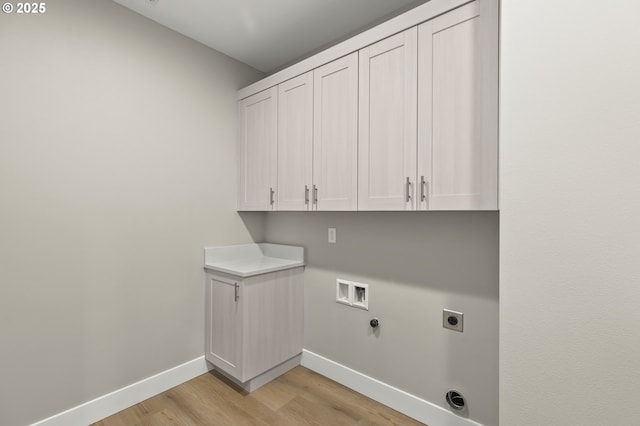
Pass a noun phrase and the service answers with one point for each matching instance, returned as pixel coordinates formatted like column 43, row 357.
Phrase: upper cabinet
column 387, row 122
column 318, row 138
column 406, row 118
column 457, row 110
column 257, row 150
column 335, row 135
column 295, row 143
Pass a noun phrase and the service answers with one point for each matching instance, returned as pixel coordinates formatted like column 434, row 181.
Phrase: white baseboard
column 106, row 405
column 410, row 405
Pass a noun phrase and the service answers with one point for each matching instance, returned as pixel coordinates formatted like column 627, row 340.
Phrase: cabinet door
column 295, row 142
column 457, row 110
column 258, row 144
column 223, row 324
column 335, row 134
column 387, row 145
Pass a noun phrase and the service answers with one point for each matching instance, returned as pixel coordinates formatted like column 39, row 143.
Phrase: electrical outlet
column 332, row 235
column 452, row 320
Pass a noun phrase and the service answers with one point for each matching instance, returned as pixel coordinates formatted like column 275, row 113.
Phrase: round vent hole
column 455, row 400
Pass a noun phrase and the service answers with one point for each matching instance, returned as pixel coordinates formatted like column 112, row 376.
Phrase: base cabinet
column 253, row 324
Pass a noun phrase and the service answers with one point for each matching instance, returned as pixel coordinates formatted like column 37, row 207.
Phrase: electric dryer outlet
column 452, row 320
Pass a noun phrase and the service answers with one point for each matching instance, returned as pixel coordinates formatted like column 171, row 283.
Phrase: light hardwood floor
column 299, row 397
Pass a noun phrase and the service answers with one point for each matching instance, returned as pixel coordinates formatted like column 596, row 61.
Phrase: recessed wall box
column 344, row 291
column 360, row 296
column 352, row 293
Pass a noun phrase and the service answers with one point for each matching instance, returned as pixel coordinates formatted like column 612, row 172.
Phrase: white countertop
column 246, row 260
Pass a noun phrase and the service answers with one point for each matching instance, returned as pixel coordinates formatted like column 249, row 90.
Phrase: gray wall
column 416, row 264
column 116, row 137
column 569, row 222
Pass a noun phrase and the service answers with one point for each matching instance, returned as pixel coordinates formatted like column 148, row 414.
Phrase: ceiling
column 268, row 34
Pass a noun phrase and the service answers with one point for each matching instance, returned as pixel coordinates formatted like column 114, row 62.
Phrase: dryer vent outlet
column 455, row 400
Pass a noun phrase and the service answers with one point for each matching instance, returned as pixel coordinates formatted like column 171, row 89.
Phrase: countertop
column 247, row 260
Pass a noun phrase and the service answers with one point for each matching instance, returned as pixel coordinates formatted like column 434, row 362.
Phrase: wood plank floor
column 299, row 397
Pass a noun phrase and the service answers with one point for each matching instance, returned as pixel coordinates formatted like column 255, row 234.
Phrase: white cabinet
column 387, row 121
column 318, row 138
column 451, row 164
column 258, row 148
column 457, row 110
column 224, row 324
column 335, row 135
column 295, row 143
column 254, row 324
column 406, row 123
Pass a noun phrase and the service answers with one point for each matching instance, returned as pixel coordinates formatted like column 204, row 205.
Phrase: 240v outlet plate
column 452, row 320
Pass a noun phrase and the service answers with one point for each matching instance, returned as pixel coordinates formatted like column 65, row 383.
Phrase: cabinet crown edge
column 408, row 19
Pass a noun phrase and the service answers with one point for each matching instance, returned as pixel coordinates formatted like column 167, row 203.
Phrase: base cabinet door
column 457, row 110
column 224, row 324
column 253, row 324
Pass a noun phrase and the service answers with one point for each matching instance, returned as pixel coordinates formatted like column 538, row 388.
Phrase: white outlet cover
column 332, row 235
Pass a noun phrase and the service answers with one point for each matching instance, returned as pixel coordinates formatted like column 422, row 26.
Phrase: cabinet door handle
column 306, row 195
column 408, row 189
column 236, row 294
column 271, row 192
column 425, row 193
column 315, row 195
